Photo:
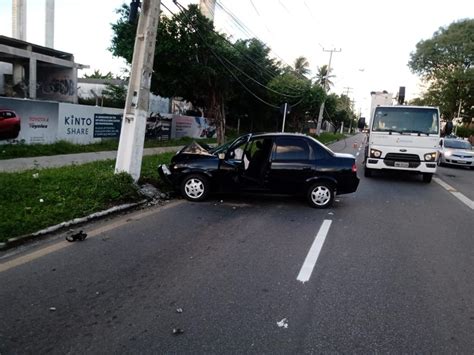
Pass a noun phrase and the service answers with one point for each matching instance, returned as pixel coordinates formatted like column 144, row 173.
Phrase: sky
column 375, row 38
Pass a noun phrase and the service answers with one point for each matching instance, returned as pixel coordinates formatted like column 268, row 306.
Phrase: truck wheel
column 320, row 195
column 427, row 177
column 195, row 187
column 367, row 172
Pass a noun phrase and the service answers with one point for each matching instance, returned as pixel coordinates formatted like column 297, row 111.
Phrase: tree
column 188, row 61
column 98, row 75
column 444, row 63
column 301, row 66
column 323, row 77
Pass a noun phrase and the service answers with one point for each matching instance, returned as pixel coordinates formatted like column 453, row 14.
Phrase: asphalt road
column 394, row 274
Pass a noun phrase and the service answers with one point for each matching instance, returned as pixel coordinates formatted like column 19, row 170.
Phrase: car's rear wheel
column 427, row 177
column 321, row 195
column 195, row 187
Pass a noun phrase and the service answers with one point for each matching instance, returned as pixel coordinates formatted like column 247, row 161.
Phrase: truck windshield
column 406, row 120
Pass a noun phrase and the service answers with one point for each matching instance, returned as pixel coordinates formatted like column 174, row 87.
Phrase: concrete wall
column 56, row 84
column 5, row 69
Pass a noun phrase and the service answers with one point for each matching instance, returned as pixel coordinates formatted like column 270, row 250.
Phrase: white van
column 403, row 138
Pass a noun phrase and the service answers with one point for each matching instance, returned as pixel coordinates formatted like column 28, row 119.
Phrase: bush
column 464, row 131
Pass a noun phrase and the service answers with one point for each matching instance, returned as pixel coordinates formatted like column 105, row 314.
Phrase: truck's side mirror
column 221, row 156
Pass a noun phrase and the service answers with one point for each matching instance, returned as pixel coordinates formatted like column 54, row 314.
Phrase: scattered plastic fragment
column 52, row 309
column 283, row 323
column 73, row 237
column 177, row 331
column 36, row 175
column 331, row 213
column 41, row 200
column 179, row 310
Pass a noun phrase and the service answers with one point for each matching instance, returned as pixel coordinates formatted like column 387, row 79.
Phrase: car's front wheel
column 321, row 195
column 195, row 187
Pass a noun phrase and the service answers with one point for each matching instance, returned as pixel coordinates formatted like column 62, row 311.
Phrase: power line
column 183, row 11
column 265, row 70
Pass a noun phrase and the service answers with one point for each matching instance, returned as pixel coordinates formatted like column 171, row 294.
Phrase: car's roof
column 278, row 134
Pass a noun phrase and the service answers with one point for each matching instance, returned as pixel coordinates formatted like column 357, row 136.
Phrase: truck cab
column 403, row 138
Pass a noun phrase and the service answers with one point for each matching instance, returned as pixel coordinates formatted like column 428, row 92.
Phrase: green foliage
column 67, row 193
column 464, row 131
column 444, row 62
column 302, row 66
column 191, row 60
column 98, row 75
column 323, row 77
column 329, row 137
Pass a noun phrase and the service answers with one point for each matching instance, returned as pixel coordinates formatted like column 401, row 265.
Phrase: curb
column 15, row 241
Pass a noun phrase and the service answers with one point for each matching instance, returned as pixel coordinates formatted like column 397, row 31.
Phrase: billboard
column 194, row 127
column 39, row 119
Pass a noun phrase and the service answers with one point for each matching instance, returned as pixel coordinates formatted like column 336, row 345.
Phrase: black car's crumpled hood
column 194, row 148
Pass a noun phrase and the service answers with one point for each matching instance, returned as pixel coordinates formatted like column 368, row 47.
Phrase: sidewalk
column 20, row 164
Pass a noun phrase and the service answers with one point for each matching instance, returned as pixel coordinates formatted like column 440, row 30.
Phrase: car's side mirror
column 221, row 156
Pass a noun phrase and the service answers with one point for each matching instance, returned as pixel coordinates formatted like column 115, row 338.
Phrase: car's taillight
column 354, row 168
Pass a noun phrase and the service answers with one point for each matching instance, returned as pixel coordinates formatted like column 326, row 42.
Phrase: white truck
column 403, row 138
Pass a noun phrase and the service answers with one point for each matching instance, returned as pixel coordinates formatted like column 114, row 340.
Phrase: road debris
column 73, row 237
column 283, row 323
column 179, row 310
column 177, row 331
column 52, row 309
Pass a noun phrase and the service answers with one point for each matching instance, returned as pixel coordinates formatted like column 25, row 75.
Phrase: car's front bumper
column 165, row 174
column 457, row 161
column 420, row 167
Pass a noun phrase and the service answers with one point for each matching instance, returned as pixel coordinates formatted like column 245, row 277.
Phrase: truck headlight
column 430, row 156
column 374, row 153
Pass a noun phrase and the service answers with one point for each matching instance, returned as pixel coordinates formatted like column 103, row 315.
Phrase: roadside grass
column 327, row 137
column 12, row 151
column 29, row 203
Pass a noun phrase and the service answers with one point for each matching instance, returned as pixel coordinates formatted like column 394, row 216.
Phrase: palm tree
column 323, row 77
column 301, row 65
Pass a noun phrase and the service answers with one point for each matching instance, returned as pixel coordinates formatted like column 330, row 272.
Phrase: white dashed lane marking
column 313, row 254
column 469, row 203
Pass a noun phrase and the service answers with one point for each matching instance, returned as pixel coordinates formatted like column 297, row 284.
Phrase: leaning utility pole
column 132, row 136
column 321, row 109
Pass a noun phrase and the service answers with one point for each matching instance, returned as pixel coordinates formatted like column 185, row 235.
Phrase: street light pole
column 321, row 109
column 132, row 136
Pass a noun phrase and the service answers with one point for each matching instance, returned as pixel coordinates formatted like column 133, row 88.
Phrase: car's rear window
column 289, row 148
column 7, row 114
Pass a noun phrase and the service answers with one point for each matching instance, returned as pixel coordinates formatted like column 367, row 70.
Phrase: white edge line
column 469, row 203
column 313, row 254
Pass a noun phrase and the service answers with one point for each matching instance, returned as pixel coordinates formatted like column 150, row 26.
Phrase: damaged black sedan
column 281, row 163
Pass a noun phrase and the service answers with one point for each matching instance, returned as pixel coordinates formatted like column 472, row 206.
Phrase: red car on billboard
column 9, row 124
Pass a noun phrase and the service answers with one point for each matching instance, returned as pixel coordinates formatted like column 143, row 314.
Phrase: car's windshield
column 406, row 120
column 457, row 144
column 224, row 147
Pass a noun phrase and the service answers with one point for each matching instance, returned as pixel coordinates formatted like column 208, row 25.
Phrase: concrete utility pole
column 18, row 32
column 132, row 136
column 49, row 24
column 321, row 109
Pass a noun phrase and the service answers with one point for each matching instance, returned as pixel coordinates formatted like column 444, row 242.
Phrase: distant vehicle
column 403, row 138
column 281, row 163
column 10, row 124
column 456, row 152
